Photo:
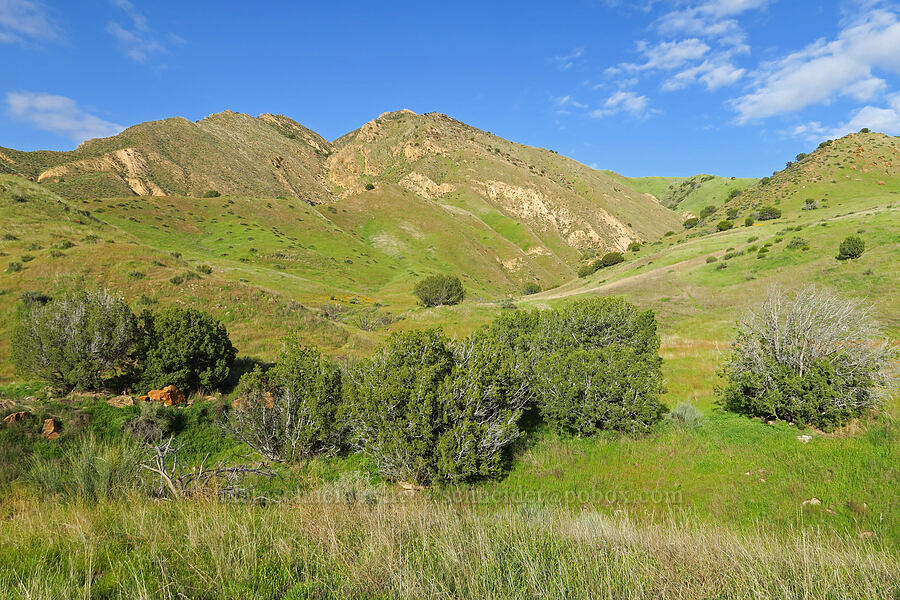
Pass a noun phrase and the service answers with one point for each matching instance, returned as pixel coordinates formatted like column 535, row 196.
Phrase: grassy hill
column 688, row 195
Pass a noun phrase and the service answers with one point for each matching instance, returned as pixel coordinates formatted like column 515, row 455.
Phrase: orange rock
column 16, row 417
column 121, row 401
column 169, row 396
column 51, row 429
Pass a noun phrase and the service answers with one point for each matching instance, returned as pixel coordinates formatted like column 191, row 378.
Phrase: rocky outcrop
column 16, row 417
column 121, row 401
column 51, row 429
column 167, row 396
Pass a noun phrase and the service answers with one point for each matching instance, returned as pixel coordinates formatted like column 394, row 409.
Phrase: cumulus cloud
column 825, row 70
column 624, row 102
column 23, row 21
column 884, row 119
column 669, row 55
column 59, row 115
column 135, row 37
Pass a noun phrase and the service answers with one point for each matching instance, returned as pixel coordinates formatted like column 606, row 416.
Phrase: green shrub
column 810, row 358
column 530, row 288
column 186, row 348
column 205, row 269
column 437, row 290
column 724, row 225
column 797, row 244
column 711, row 259
column 721, row 266
column 612, row 258
column 691, row 222
column 82, row 340
column 589, row 269
column 289, row 412
column 14, row 267
column 686, row 415
column 732, row 213
column 852, row 247
column 369, row 186
column 749, row 221
column 211, row 194
column 26, row 258
column 634, row 247
column 810, row 204
column 707, row 211
column 767, row 213
column 424, row 412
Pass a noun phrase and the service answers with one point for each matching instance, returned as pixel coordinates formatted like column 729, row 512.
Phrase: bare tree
column 812, row 329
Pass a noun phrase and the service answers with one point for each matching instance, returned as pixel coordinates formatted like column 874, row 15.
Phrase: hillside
column 687, row 195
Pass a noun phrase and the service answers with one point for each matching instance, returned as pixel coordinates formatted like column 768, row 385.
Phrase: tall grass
column 413, row 549
column 90, row 469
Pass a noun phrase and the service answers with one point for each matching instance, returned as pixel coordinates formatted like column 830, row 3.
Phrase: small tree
column 81, row 340
column 852, row 247
column 707, row 211
column 691, row 222
column 634, row 247
column 810, row 358
column 186, row 348
column 749, row 221
column 289, row 412
column 531, row 288
column 211, row 194
column 436, row 290
column 767, row 213
column 724, row 225
column 612, row 258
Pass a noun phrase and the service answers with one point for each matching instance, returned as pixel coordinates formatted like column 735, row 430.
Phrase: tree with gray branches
column 811, row 357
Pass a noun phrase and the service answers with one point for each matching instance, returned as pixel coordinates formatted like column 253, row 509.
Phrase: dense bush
column 369, row 186
column 590, row 268
column 531, row 288
column 612, row 258
column 749, row 221
column 767, row 213
column 83, row 340
column 424, row 411
column 707, row 211
column 211, row 194
column 289, row 412
column 691, row 222
column 634, row 247
column 852, row 247
column 808, row 358
column 186, row 348
column 583, row 391
column 724, row 225
column 797, row 243
column 437, row 290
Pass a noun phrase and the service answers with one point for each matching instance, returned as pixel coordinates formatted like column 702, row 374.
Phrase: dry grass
column 413, row 549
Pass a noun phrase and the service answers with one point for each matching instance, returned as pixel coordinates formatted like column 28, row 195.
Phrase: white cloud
column 24, row 20
column 59, row 115
column 883, row 119
column 669, row 55
column 566, row 62
column 137, row 39
column 712, row 74
column 624, row 102
column 825, row 70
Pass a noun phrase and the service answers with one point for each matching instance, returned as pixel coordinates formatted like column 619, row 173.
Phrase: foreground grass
column 412, row 548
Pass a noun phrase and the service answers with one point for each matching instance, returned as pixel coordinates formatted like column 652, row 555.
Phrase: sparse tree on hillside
column 436, row 290
column 811, row 357
column 852, row 247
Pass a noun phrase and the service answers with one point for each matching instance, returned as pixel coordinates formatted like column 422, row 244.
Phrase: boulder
column 51, row 429
column 16, row 417
column 121, row 401
column 169, row 396
column 811, row 502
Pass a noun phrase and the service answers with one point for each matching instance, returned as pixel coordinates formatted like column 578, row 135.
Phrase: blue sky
column 655, row 87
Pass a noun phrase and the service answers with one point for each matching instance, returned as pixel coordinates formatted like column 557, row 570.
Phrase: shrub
column 807, row 358
column 423, row 412
column 687, row 415
column 732, row 194
column 767, row 213
column 810, row 204
column 852, row 247
column 865, row 130
column 589, row 268
column 691, row 222
column 797, row 244
column 205, row 269
column 289, row 412
column 186, row 348
column 707, row 211
column 14, row 267
column 732, row 213
column 749, row 221
column 634, row 247
column 724, row 225
column 370, row 186
column 711, row 259
column 612, row 258
column 211, row 194
column 721, row 266
column 82, row 340
column 531, row 288
column 437, row 290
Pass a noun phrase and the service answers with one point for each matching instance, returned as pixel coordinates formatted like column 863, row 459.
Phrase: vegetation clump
column 853, row 246
column 531, row 288
column 724, row 225
column 186, row 348
column 691, row 222
column 767, row 213
column 438, row 290
column 811, row 358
